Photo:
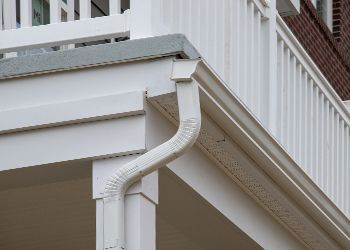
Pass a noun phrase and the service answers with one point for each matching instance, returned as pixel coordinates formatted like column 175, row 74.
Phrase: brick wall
column 327, row 50
column 341, row 26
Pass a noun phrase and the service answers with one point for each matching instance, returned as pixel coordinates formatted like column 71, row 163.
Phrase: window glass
column 41, row 12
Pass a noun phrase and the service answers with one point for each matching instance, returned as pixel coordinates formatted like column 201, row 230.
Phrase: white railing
column 229, row 35
column 23, row 36
column 314, row 124
column 242, row 42
column 297, row 105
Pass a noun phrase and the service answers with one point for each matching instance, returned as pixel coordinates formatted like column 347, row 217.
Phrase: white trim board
column 55, row 34
column 91, row 140
column 78, row 111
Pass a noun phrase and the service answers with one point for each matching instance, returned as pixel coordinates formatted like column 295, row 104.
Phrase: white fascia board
column 91, row 140
column 224, row 106
column 288, row 7
column 77, row 111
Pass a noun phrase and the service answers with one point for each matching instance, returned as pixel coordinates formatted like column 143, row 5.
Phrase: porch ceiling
column 186, row 221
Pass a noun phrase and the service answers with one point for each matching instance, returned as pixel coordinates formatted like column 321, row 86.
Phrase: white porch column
column 140, row 205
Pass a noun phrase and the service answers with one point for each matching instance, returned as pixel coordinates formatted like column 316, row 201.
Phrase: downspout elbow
column 116, row 186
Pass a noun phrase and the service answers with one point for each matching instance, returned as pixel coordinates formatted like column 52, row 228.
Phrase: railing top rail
column 56, row 34
column 315, row 73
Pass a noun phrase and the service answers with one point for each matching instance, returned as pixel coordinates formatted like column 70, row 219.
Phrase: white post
column 140, row 205
column 141, row 19
column 26, row 13
column 70, row 17
column 9, row 17
column 70, row 10
column 55, row 11
column 114, row 7
column 1, row 25
column 270, row 74
column 85, row 9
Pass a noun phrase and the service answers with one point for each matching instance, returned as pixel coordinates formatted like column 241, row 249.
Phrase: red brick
column 329, row 50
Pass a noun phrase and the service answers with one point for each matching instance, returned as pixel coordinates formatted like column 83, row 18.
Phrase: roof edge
column 103, row 54
column 253, row 138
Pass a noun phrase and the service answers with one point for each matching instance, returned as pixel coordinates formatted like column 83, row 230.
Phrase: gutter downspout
column 124, row 177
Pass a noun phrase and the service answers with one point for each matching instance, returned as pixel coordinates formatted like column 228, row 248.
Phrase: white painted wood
column 84, row 110
column 139, row 219
column 114, row 7
column 196, row 171
column 1, row 19
column 141, row 18
column 99, row 224
column 55, row 11
column 72, row 85
column 9, row 14
column 140, row 204
column 80, row 141
column 65, row 33
column 84, row 9
column 26, row 13
column 70, row 17
column 326, row 120
column 70, row 10
column 140, row 226
column 9, row 19
column 230, row 35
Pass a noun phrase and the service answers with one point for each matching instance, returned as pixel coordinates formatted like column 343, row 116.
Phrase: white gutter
column 185, row 137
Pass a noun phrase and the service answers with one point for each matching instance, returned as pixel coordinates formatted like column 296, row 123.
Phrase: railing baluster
column 287, row 101
column 243, row 50
column 9, row 14
column 9, row 18
column 70, row 17
column 70, row 12
column 322, row 135
column 300, row 100
column 328, row 146
column 235, row 44
column 347, row 168
column 305, row 120
column 1, row 24
column 281, row 79
column 251, row 91
column 293, row 108
column 342, row 166
column 114, row 7
column 55, row 11
column 258, row 59
column 316, row 133
column 85, row 9
column 26, row 13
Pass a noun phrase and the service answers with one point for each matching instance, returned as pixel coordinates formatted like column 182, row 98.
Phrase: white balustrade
column 258, row 58
column 26, row 13
column 313, row 124
column 24, row 36
column 229, row 35
column 55, row 11
column 85, row 9
column 297, row 105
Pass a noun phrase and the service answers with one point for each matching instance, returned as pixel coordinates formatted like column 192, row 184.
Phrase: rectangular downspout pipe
column 124, row 177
